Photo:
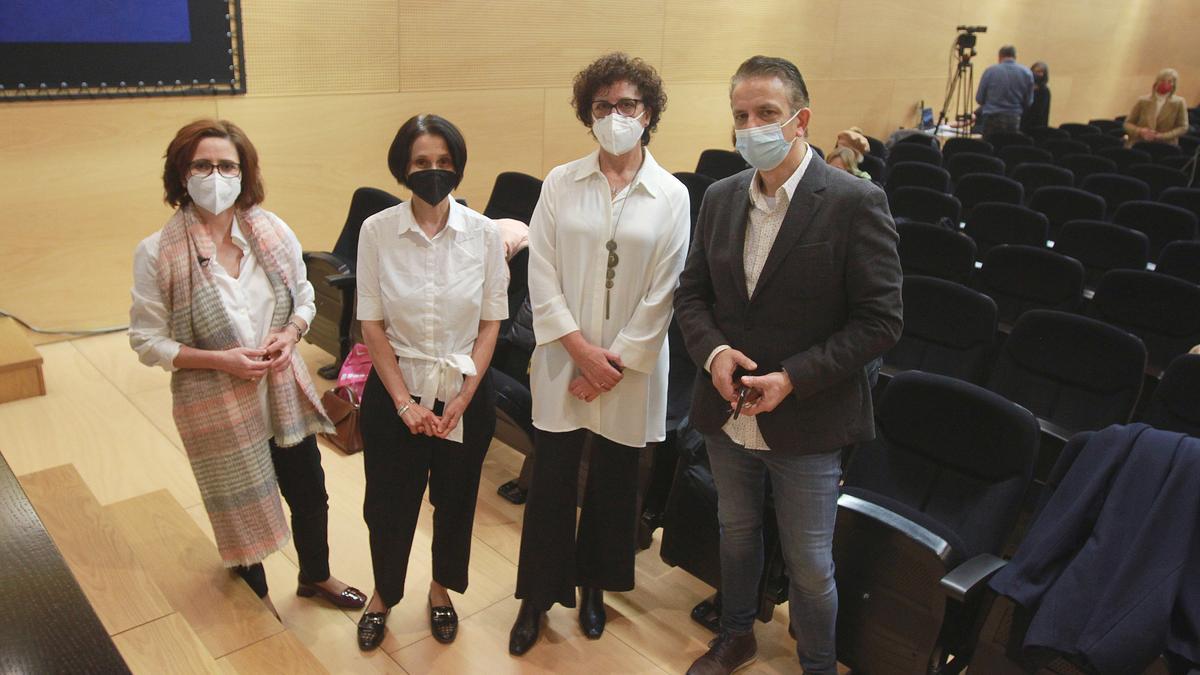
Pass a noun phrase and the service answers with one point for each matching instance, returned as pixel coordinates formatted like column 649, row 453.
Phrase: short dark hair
column 1008, row 52
column 610, row 69
column 182, row 150
column 772, row 66
column 400, row 154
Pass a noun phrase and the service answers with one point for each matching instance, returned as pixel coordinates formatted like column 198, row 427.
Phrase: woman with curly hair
column 607, row 243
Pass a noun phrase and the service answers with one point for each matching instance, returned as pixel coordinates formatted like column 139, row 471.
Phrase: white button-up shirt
column 431, row 294
column 573, row 221
column 248, row 299
column 762, row 227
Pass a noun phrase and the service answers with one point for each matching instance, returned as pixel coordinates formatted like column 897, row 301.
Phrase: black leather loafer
column 443, row 622
column 372, row 626
column 351, row 598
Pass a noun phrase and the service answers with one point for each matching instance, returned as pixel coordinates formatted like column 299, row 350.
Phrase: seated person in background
column 1160, row 116
column 514, row 234
column 848, row 151
column 847, row 160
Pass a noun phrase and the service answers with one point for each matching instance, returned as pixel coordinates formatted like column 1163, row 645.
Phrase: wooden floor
column 110, row 417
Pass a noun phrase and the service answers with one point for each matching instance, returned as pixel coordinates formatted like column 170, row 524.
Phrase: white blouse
column 568, row 261
column 431, row 294
column 249, row 299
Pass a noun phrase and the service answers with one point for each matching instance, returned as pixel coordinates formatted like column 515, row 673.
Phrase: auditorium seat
column 331, row 274
column 1073, row 372
column 1085, row 165
column 1157, row 151
column 1022, row 278
column 1061, row 204
column 1042, row 134
column 1183, row 163
column 976, row 188
column 1034, row 175
column 918, row 174
column 514, row 195
column 1100, row 141
column 1102, row 246
column 1078, row 130
column 1061, row 148
column 1016, row 155
column 949, row 330
column 1105, row 125
column 1162, row 310
column 1115, row 189
column 1004, row 139
column 1157, row 176
column 1123, row 157
column 963, row 163
column 1161, row 223
column 936, row 251
column 875, row 167
column 925, row 205
column 696, row 184
column 1187, row 198
column 914, row 152
column 1180, row 259
column 995, row 223
column 955, row 145
column 923, row 516
column 718, row 164
column 1173, row 406
column 878, row 147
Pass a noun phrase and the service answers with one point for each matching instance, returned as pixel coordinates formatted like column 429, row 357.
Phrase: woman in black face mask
column 432, row 290
column 1038, row 114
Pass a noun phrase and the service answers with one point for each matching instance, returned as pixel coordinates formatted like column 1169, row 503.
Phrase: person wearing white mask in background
column 220, row 299
column 791, row 287
column 608, row 240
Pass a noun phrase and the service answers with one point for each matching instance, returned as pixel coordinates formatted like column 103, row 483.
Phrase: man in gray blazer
column 791, row 287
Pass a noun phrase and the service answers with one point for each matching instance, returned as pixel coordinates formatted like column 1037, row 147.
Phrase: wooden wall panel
column 519, row 43
column 80, row 185
column 706, row 41
column 311, row 46
column 330, row 83
column 316, row 150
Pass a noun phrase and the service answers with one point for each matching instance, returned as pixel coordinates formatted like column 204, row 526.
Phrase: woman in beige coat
column 1160, row 116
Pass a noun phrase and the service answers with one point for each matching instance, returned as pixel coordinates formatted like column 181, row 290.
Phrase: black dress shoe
column 524, row 633
column 351, row 598
column 371, row 628
column 591, row 612
column 707, row 613
column 443, row 622
column 513, row 492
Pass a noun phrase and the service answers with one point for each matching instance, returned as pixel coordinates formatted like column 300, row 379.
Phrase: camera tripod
column 960, row 91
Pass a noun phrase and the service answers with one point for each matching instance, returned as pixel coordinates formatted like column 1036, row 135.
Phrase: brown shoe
column 727, row 653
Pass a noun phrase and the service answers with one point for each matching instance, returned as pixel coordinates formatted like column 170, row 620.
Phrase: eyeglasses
column 203, row 167
column 628, row 107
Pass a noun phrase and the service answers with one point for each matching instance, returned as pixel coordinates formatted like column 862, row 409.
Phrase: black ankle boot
column 591, row 612
column 525, row 629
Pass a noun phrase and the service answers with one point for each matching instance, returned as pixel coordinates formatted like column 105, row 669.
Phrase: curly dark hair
column 610, row 69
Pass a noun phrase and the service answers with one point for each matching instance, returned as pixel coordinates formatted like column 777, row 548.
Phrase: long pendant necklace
column 611, row 245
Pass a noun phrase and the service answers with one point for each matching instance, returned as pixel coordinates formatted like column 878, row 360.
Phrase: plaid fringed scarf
column 219, row 416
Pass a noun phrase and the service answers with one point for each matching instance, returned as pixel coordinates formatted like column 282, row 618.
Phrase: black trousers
column 399, row 465
column 302, row 483
column 554, row 559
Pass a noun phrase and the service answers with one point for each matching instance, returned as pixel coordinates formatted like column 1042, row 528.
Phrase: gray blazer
column 827, row 303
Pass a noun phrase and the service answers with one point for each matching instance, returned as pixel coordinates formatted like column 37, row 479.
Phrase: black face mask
column 432, row 185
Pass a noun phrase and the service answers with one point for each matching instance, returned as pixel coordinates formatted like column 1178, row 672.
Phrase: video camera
column 967, row 37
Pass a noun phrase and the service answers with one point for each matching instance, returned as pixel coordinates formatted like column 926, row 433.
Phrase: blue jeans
column 805, row 489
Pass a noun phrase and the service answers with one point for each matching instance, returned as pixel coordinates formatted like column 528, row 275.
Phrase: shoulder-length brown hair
column 183, row 148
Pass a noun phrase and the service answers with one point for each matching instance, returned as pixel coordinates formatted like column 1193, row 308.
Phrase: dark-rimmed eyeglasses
column 628, row 107
column 203, row 167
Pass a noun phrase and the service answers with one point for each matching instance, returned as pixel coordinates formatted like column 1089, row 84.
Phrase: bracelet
column 404, row 408
column 299, row 330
